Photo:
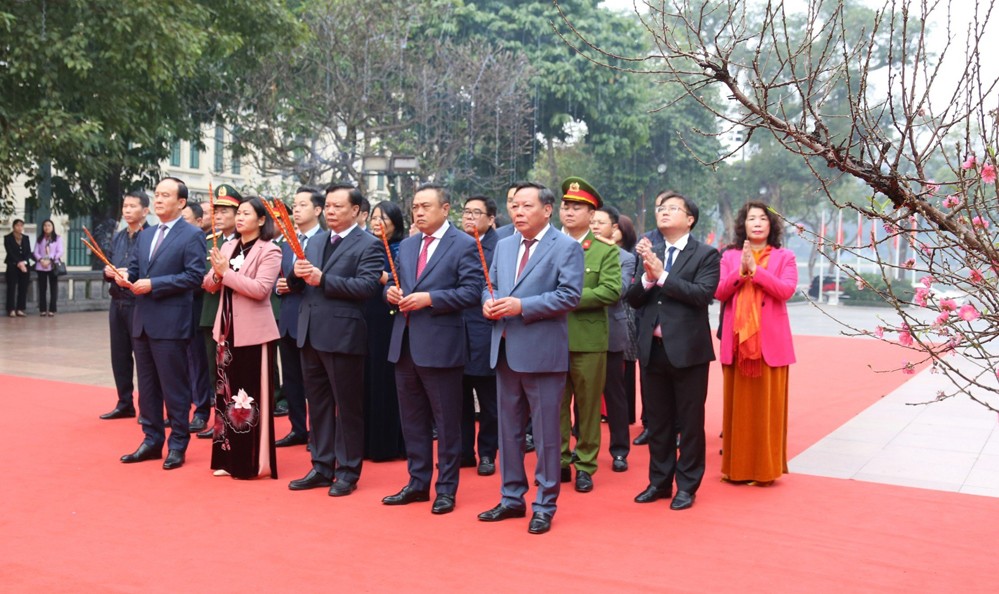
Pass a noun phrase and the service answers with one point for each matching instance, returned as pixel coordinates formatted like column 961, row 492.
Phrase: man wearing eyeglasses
column 680, row 275
column 479, row 379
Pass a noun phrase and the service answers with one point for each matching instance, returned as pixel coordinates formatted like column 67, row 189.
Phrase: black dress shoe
column 443, row 504
column 119, row 413
column 643, row 438
column 584, row 482
column 143, row 453
column 486, row 466
column 529, row 443
column 651, row 494
column 468, row 463
column 197, row 424
column 501, row 512
column 540, row 523
column 620, row 464
column 406, row 496
column 566, row 476
column 683, row 500
column 281, row 409
column 313, row 480
column 174, row 459
column 207, row 433
column 292, row 439
column 342, row 489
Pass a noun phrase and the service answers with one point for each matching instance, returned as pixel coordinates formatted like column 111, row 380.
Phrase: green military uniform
column 589, row 332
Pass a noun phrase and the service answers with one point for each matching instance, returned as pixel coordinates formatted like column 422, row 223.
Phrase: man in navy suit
column 479, row 380
column 440, row 274
column 341, row 271
column 306, row 208
column 163, row 273
column 538, row 276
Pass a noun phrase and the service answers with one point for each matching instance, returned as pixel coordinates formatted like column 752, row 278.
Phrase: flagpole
column 838, row 246
column 822, row 260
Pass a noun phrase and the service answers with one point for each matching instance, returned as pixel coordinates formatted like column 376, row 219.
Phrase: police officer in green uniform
column 589, row 332
column 224, row 204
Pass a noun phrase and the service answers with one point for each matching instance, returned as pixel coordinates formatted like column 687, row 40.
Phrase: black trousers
column 122, row 360
column 483, row 386
column 615, row 397
column 47, row 279
column 292, row 384
column 17, row 286
column 674, row 397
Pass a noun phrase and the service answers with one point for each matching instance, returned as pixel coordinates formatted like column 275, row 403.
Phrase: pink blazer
column 778, row 281
column 253, row 319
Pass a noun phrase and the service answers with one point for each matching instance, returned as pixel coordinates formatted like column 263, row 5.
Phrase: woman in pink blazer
column 245, row 270
column 757, row 279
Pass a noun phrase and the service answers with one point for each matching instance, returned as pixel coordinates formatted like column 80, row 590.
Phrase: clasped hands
column 494, row 309
column 748, row 265
column 650, row 261
column 411, row 302
column 139, row 287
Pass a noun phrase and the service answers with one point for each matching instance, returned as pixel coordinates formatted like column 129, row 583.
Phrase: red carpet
column 77, row 520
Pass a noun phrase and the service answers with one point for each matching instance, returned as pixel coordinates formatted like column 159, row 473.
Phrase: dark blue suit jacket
column 176, row 270
column 453, row 277
column 291, row 301
column 478, row 329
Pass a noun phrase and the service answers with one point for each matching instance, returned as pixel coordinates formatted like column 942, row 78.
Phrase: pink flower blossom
column 980, row 222
column 948, row 305
column 952, row 201
column 969, row 163
column 989, row 173
column 922, row 293
column 904, row 338
column 932, row 187
column 909, row 263
column 879, row 332
column 975, row 276
column 908, row 368
column 968, row 313
column 927, row 281
column 942, row 318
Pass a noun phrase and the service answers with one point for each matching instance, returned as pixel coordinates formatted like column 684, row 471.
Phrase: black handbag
column 59, row 267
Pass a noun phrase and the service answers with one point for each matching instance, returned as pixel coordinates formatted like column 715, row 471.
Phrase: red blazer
column 778, row 281
column 252, row 316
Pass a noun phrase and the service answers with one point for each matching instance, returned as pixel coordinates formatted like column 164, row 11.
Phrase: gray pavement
column 951, row 445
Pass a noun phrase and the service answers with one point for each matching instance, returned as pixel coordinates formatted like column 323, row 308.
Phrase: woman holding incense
column 245, row 271
column 758, row 277
column 382, row 426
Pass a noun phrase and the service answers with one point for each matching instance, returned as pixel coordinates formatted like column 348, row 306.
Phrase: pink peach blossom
column 905, row 339
column 975, row 276
column 989, row 173
column 952, row 201
column 969, row 163
column 948, row 305
column 908, row 368
column 927, row 281
column 879, row 332
column 980, row 222
column 968, row 313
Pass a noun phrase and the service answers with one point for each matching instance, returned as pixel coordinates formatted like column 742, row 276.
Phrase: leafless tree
column 865, row 94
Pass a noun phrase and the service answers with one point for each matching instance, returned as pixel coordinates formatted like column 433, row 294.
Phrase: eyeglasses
column 472, row 212
column 671, row 209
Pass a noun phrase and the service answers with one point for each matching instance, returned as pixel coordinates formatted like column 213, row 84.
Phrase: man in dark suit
column 341, row 270
column 306, row 208
column 167, row 266
column 440, row 275
column 479, row 380
column 680, row 275
column 134, row 210
column 538, row 276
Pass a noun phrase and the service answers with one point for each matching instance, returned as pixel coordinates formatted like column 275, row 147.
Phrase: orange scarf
column 746, row 326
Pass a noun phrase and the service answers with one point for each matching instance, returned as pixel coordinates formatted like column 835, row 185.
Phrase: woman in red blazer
column 757, row 279
column 245, row 270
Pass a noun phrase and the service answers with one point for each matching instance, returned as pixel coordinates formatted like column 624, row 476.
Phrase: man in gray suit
column 440, row 274
column 538, row 276
column 341, row 271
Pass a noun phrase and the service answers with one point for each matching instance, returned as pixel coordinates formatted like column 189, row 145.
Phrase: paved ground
column 949, row 446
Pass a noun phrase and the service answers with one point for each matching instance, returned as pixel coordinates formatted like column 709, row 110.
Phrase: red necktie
column 527, row 255
column 421, row 263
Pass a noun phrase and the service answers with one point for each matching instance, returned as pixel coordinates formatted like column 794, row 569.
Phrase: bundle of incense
column 388, row 254
column 485, row 265
column 288, row 234
column 95, row 248
column 211, row 215
column 286, row 221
